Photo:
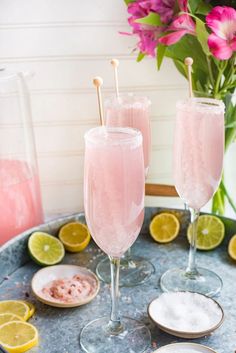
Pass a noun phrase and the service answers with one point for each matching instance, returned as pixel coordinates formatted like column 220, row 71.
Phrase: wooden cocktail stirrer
column 115, row 64
column 189, row 62
column 98, row 81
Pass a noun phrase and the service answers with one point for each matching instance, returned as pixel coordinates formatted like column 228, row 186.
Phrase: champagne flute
column 114, row 209
column 129, row 110
column 198, row 163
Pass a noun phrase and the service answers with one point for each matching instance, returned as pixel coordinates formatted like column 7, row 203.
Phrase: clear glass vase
column 20, row 197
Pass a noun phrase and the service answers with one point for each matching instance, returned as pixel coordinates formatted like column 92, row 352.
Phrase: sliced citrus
column 15, row 307
column 31, row 308
column 45, row 249
column 232, row 247
column 74, row 236
column 210, row 232
column 18, row 336
column 7, row 317
column 164, row 227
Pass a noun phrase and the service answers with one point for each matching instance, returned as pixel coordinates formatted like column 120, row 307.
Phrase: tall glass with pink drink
column 114, row 210
column 129, row 110
column 20, row 197
column 198, row 163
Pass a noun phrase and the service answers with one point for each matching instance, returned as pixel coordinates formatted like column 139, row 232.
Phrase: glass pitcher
column 20, row 197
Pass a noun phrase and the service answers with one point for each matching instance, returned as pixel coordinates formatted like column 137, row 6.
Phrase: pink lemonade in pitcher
column 20, row 199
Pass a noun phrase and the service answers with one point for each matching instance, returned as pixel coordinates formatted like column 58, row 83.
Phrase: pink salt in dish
column 65, row 285
column 70, row 290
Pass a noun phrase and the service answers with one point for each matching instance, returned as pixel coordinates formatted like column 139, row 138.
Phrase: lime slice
column 164, row 227
column 232, row 247
column 210, row 232
column 14, row 307
column 18, row 336
column 45, row 249
column 74, row 236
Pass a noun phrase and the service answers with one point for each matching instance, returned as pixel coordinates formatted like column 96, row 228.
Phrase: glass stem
column 192, row 268
column 115, row 326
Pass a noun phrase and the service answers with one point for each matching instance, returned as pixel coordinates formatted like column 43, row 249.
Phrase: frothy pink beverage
column 131, row 111
column 114, row 187
column 198, row 150
column 20, row 199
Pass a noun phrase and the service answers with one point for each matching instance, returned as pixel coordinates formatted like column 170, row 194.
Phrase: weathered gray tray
column 59, row 328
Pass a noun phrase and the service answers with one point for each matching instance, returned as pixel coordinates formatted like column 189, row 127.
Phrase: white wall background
column 66, row 43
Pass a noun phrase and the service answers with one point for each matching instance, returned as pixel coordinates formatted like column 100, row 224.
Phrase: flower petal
column 183, row 22
column 183, row 5
column 173, row 37
column 222, row 21
column 219, row 47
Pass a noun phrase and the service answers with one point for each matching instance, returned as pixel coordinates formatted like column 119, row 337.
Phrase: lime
column 74, row 236
column 210, row 232
column 15, row 307
column 18, row 336
column 232, row 247
column 45, row 249
column 164, row 227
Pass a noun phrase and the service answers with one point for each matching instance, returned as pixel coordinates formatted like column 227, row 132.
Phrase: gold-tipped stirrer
column 115, row 64
column 189, row 62
column 98, row 81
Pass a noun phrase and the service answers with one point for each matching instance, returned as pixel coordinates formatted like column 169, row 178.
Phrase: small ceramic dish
column 184, row 348
column 51, row 273
column 186, row 308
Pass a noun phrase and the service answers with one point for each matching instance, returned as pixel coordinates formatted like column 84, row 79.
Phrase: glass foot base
column 133, row 272
column 205, row 282
column 95, row 338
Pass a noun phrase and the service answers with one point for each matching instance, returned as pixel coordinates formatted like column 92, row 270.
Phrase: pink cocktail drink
column 198, row 152
column 114, row 188
column 198, row 163
column 129, row 110
column 20, row 198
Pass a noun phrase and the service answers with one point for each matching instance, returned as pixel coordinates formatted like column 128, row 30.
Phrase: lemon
column 74, row 236
column 164, row 227
column 31, row 308
column 6, row 317
column 45, row 249
column 15, row 307
column 232, row 247
column 18, row 336
column 210, row 232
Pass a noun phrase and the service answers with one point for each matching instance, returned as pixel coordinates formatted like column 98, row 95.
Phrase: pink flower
column 181, row 25
column 165, row 8
column 148, row 35
column 222, row 21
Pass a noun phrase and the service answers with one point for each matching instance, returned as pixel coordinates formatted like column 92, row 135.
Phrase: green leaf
column 128, row 1
column 194, row 4
column 180, row 67
column 202, row 35
column 203, row 9
column 161, row 49
column 153, row 19
column 140, row 56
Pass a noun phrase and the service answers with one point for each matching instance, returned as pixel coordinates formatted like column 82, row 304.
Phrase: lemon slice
column 232, row 247
column 45, row 249
column 164, row 227
column 74, row 236
column 30, row 306
column 15, row 307
column 7, row 317
column 18, row 336
column 210, row 232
